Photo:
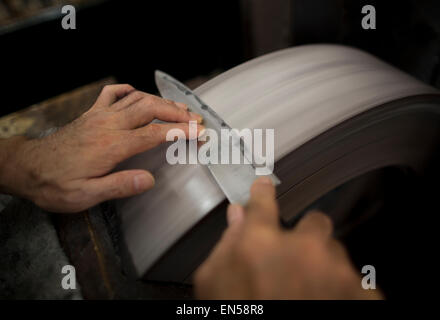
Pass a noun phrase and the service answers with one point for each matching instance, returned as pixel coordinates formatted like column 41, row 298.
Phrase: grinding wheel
column 338, row 113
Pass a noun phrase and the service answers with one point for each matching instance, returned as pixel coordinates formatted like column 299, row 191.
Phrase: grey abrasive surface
column 31, row 258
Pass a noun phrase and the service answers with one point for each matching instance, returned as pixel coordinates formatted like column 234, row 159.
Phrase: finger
column 112, row 93
column 136, row 96
column 235, row 215
column 182, row 105
column 316, row 223
column 128, row 100
column 177, row 104
column 262, row 206
column 148, row 109
column 120, row 184
column 338, row 250
column 152, row 135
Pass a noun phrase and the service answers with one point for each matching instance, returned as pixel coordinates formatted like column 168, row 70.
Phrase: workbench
column 88, row 239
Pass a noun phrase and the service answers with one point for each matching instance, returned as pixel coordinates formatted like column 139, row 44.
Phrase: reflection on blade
column 235, row 180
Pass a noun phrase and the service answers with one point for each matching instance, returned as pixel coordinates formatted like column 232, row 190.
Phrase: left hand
column 70, row 170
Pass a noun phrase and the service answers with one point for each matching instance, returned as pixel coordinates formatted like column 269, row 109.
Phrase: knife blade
column 234, row 180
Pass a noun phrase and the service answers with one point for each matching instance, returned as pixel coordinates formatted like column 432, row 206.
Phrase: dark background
column 126, row 39
column 130, row 39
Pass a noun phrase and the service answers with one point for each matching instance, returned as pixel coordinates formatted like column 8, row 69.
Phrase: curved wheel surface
column 337, row 113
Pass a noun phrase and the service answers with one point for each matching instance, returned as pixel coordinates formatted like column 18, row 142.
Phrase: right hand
column 256, row 259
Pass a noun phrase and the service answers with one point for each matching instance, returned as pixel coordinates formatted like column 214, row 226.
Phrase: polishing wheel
column 340, row 116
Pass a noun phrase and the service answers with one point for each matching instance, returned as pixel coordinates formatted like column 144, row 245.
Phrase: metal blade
column 235, row 180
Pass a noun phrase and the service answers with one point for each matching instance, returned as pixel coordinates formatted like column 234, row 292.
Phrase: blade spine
column 179, row 85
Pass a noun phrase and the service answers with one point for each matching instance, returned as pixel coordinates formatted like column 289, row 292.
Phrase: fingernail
column 201, row 130
column 234, row 214
column 196, row 117
column 182, row 105
column 143, row 181
column 264, row 180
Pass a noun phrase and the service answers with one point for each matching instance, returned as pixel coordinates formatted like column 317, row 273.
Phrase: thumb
column 121, row 184
column 235, row 215
column 235, row 218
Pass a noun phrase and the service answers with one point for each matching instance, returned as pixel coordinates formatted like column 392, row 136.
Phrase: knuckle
column 128, row 86
column 107, row 88
column 324, row 218
column 137, row 95
column 149, row 100
column 320, row 218
column 168, row 101
column 154, row 130
column 178, row 113
column 184, row 114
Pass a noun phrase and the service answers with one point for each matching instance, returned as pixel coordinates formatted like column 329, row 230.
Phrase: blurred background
column 129, row 39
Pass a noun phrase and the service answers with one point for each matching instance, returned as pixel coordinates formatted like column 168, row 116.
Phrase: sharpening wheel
column 337, row 112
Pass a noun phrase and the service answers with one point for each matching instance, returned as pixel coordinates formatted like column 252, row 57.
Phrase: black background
column 130, row 39
column 126, row 39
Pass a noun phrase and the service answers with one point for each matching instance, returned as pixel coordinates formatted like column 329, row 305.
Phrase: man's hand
column 256, row 259
column 69, row 171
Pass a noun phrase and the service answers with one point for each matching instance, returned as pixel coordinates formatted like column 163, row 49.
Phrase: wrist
column 14, row 172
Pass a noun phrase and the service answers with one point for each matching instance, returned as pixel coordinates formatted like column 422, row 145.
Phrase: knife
column 235, row 180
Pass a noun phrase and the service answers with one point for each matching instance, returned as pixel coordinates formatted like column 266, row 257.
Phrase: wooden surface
column 54, row 112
